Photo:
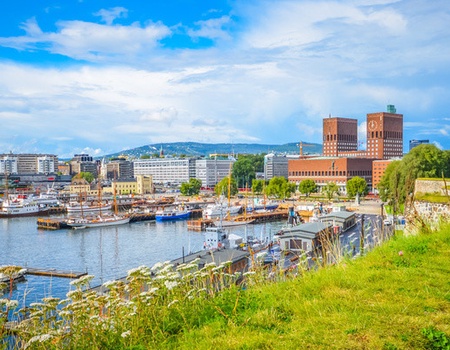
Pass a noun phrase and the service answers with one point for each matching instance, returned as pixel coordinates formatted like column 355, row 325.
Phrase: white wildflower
column 157, row 266
column 84, row 280
column 170, row 284
column 125, row 334
column 248, row 273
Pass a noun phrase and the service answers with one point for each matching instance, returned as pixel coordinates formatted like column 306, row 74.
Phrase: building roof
column 339, row 214
column 309, row 229
column 218, row 256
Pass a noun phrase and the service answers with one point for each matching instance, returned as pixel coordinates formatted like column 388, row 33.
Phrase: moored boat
column 175, row 214
column 21, row 207
column 98, row 221
column 77, row 208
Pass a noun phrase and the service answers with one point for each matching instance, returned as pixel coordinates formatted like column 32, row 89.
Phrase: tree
column 221, row 188
column 191, row 188
column 89, row 177
column 330, row 189
column 145, row 156
column 307, row 187
column 356, row 185
column 398, row 181
column 245, row 168
column 258, row 186
column 279, row 187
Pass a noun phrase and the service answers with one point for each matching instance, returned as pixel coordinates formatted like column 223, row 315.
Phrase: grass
column 382, row 301
column 432, row 198
column 395, row 297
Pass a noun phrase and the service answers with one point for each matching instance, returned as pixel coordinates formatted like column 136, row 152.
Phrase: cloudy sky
column 103, row 76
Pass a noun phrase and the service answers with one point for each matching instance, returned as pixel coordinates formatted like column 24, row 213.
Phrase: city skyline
column 100, row 77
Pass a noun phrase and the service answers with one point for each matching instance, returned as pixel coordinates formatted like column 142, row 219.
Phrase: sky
column 102, row 76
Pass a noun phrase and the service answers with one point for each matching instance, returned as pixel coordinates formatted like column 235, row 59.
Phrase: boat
column 218, row 209
column 77, row 208
column 175, row 214
column 263, row 206
column 98, row 221
column 101, row 219
column 19, row 205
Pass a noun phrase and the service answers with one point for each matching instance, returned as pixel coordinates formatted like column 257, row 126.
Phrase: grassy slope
column 381, row 301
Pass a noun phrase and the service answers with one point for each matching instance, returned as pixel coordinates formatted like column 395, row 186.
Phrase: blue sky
column 104, row 76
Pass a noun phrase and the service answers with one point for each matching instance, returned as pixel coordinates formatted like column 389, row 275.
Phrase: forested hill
column 204, row 149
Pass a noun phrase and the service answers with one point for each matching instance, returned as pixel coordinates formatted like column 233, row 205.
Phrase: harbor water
column 107, row 252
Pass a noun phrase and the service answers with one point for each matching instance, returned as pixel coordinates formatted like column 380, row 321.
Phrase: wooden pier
column 54, row 273
column 256, row 218
column 51, row 224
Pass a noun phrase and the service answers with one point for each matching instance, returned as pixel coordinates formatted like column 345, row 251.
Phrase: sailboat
column 100, row 220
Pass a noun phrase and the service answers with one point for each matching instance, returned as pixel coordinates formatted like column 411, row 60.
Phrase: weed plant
column 395, row 297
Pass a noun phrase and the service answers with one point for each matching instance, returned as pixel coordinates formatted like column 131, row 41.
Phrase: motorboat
column 221, row 209
column 174, row 214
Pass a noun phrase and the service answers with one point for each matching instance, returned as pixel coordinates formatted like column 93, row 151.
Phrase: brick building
column 323, row 170
column 341, row 158
column 339, row 135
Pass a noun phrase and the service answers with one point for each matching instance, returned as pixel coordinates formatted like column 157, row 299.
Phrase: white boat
column 217, row 210
column 20, row 207
column 76, row 208
column 98, row 221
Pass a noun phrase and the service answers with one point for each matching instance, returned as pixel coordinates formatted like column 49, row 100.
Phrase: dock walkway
column 54, row 273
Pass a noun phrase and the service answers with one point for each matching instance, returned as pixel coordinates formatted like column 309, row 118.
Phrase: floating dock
column 256, row 218
column 54, row 272
column 52, row 224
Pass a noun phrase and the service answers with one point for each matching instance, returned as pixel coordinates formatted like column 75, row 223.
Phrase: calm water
column 107, row 253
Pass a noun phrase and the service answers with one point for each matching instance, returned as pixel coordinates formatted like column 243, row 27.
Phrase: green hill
column 204, row 149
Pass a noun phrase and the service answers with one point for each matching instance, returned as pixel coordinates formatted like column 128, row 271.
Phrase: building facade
column 29, row 163
column 83, row 163
column 415, row 143
column 117, row 169
column 339, row 135
column 384, row 134
column 212, row 171
column 323, row 170
column 164, row 170
column 277, row 165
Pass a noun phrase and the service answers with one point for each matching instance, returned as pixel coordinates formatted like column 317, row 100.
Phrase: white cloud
column 108, row 16
column 90, row 41
column 211, row 29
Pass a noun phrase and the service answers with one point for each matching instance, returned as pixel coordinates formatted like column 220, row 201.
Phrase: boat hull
column 100, row 222
column 172, row 216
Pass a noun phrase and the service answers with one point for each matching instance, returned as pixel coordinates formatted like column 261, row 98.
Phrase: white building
column 164, row 170
column 277, row 165
column 8, row 164
column 29, row 163
column 211, row 171
column 179, row 170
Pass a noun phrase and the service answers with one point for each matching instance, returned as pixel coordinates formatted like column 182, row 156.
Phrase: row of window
column 331, row 173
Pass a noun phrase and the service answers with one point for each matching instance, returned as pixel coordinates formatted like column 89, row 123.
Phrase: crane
column 302, row 144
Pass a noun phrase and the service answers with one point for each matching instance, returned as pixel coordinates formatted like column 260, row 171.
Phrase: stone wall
column 431, row 186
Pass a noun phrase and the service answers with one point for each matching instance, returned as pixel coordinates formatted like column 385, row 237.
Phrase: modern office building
column 211, row 171
column 28, row 163
column 164, row 170
column 415, row 143
column 277, row 165
column 83, row 163
column 117, row 169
